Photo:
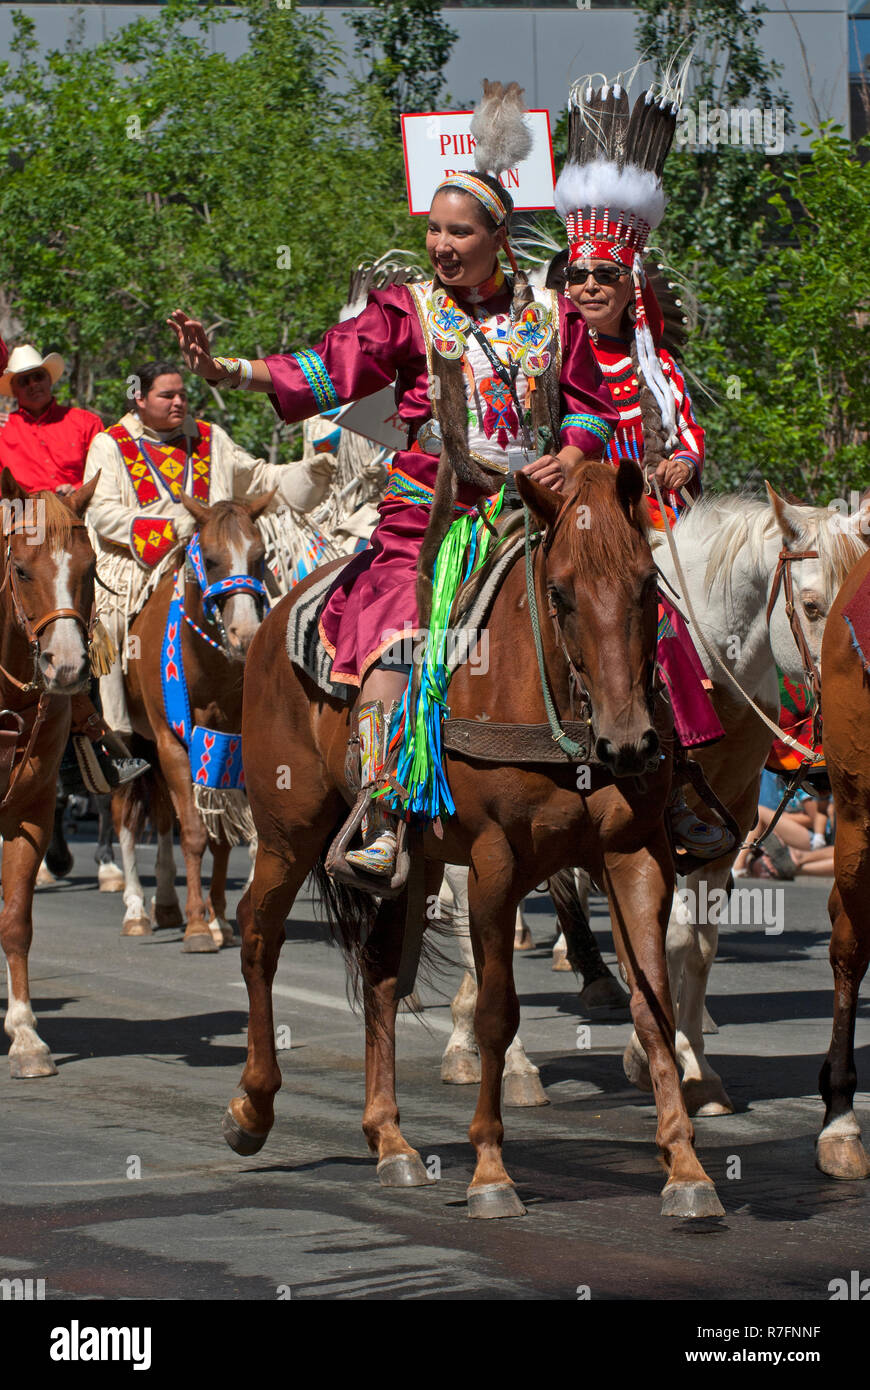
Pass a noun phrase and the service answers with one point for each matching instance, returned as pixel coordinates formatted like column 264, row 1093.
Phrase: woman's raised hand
column 195, row 347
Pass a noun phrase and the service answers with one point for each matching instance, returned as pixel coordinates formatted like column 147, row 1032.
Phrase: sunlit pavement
column 116, row 1182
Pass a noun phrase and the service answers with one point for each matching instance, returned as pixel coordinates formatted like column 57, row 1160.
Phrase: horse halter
column 783, row 576
column 33, row 629
column 213, row 594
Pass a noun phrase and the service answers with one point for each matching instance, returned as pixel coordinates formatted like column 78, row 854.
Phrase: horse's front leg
column 492, row 898
column 175, row 766
column 261, row 915
column 398, row 1164
column 24, row 845
column 640, row 888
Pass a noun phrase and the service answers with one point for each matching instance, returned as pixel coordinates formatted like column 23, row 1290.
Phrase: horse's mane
column 226, row 518
column 59, row 520
column 727, row 522
column 607, row 548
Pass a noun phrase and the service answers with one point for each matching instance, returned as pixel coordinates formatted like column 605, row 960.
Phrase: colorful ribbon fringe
column 420, row 770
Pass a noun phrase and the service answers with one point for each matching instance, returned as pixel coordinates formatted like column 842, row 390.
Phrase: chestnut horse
column 846, row 703
column 47, row 575
column 212, row 654
column 514, row 825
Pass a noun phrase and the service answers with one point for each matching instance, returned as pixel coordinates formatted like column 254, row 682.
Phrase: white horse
column 729, row 548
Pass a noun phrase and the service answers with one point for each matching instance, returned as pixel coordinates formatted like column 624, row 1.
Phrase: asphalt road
column 150, row 1043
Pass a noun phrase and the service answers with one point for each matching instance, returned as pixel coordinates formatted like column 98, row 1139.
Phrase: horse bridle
column 33, row 629
column 213, row 594
column 783, row 578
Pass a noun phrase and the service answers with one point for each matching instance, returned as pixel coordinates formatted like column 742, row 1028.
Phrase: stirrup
column 379, row 857
column 698, row 837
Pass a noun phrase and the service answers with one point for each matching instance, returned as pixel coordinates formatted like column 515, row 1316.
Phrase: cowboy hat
column 26, row 358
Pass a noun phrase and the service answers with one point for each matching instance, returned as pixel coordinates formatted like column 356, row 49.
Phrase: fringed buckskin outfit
column 136, row 518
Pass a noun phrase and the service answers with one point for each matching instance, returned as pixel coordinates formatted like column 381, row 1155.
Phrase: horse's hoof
column 460, row 1068
column 523, row 940
column 110, row 879
column 523, row 1088
column 494, row 1199
column 241, row 1141
column 707, row 1024
column 706, row 1097
column 60, row 865
column 636, row 1068
column 561, row 962
column 136, row 926
column 692, row 1199
column 44, row 877
column 25, row 1065
column 199, row 940
column 403, row 1170
column 605, row 996
column 842, row 1156
column 222, row 932
column 166, row 915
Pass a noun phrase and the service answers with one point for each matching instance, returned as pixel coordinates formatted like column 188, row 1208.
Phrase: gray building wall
column 544, row 49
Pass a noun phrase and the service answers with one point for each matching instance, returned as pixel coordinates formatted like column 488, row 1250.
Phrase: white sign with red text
column 439, row 143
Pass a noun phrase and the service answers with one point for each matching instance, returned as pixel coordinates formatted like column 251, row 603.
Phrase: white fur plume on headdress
column 502, row 137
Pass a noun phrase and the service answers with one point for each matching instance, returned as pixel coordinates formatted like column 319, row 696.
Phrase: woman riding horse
column 472, row 327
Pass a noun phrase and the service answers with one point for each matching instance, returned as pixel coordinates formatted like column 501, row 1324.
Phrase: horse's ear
column 629, row 488
column 544, row 504
column 10, row 488
column 786, row 516
column 77, row 501
column 198, row 510
column 257, row 505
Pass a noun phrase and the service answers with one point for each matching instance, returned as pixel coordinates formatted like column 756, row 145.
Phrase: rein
column 567, row 744
column 782, row 575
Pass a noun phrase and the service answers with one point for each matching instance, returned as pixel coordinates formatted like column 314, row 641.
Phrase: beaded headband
column 470, row 183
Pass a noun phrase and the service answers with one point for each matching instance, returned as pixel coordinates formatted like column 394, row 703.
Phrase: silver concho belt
column 429, row 437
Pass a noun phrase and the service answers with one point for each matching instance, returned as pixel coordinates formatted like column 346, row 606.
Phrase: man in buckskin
column 155, row 453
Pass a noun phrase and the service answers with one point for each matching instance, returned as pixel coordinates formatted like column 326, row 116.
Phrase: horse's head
column 48, row 577
column 600, row 581
column 838, row 540
column 232, row 549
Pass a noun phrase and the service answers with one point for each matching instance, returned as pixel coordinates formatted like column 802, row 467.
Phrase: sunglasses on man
column 26, row 378
column 601, row 274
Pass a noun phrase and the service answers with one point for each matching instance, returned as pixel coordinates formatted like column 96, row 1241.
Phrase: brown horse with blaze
column 47, row 575
column 514, row 825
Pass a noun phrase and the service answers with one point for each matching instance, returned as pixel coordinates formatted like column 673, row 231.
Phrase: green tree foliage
column 407, row 45
column 796, row 361
column 150, row 172
column 772, row 245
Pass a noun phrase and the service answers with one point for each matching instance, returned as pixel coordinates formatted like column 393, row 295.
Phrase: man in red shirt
column 44, row 444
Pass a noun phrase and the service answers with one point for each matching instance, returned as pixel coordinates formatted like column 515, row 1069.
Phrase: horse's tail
column 350, row 915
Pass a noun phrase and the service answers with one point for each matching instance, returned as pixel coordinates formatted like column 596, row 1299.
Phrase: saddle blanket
column 474, row 601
